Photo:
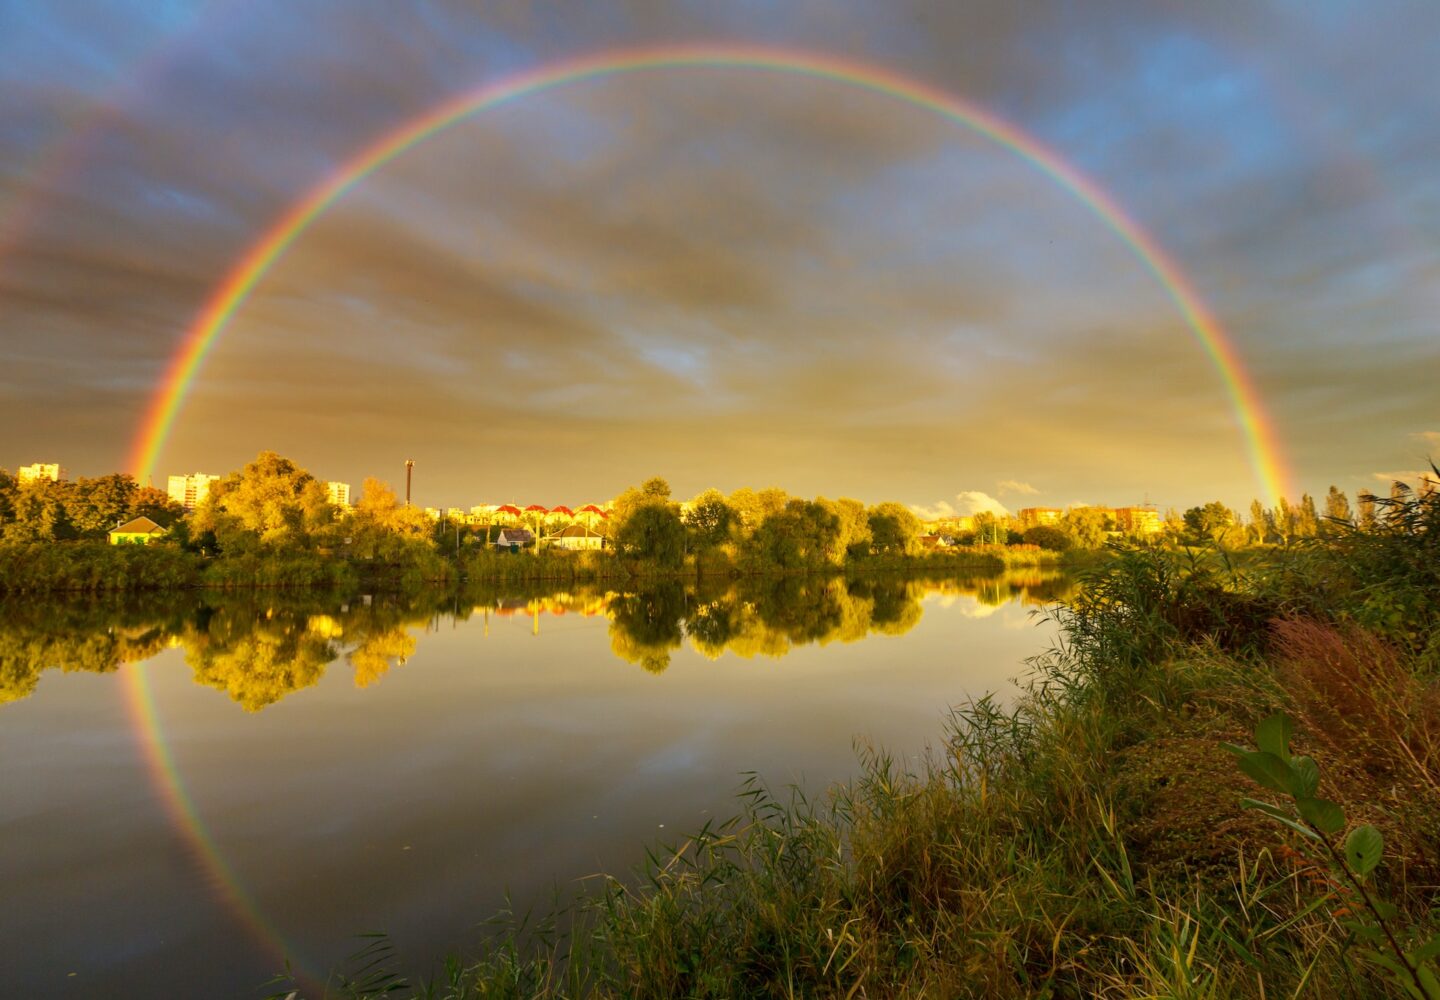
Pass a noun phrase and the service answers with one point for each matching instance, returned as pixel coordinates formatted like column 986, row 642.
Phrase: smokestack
column 409, row 466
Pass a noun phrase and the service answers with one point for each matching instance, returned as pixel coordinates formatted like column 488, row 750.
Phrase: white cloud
column 1431, row 439
column 966, row 502
column 1015, row 486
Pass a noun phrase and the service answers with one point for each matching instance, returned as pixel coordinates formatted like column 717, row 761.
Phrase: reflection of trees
column 258, row 659
column 376, row 653
column 645, row 626
column 257, row 647
column 765, row 616
column 89, row 634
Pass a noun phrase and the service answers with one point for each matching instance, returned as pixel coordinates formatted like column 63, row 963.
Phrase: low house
column 576, row 536
column 140, row 531
column 513, row 538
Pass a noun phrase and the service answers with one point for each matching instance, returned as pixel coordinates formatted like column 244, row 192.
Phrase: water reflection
column 259, row 647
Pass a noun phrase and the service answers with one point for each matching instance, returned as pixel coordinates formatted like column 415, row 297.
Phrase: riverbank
column 49, row 567
column 1089, row 838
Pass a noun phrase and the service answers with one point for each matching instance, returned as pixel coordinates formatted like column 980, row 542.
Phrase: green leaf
column 1268, row 770
column 1280, row 816
column 1428, row 982
column 1363, row 849
column 1307, row 776
column 1387, row 911
column 1324, row 815
column 1428, row 950
column 1273, row 735
column 1363, row 931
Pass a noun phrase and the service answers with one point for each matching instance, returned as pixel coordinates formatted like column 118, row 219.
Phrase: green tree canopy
column 893, row 528
column 1087, row 527
column 709, row 520
column 271, row 503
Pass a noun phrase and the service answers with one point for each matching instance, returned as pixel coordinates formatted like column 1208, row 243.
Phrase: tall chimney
column 409, row 466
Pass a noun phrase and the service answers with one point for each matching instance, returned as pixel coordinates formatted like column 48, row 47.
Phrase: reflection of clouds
column 974, row 608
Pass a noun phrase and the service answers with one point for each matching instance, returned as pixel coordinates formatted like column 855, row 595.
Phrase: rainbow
column 165, row 775
column 1262, row 442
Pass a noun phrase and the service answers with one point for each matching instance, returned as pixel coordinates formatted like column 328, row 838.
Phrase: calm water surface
column 194, row 790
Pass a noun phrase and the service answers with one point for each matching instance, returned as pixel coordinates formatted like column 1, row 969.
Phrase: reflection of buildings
column 190, row 491
column 40, row 472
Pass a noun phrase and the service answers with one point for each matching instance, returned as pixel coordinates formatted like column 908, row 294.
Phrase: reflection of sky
column 730, row 278
column 485, row 761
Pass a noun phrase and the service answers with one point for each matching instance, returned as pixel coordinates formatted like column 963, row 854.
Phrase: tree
column 1208, row 521
column 1259, row 523
column 271, row 503
column 653, row 490
column 801, row 534
column 1337, row 508
column 1286, row 521
column 97, row 505
column 1047, row 536
column 1307, row 521
column 1365, row 510
column 893, row 529
column 653, row 532
column 1086, row 526
column 855, row 536
column 709, row 520
column 381, row 527
column 41, row 513
column 990, row 529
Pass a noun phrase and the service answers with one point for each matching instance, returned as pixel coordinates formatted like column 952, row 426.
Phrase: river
column 196, row 789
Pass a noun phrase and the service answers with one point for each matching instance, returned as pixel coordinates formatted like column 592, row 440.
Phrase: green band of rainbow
column 1262, row 443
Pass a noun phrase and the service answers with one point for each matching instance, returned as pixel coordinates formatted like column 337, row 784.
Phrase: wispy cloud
column 1015, row 486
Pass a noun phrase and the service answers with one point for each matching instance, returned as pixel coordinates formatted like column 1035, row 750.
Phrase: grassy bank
column 1086, row 838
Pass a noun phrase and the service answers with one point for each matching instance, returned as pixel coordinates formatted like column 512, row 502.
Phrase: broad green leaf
column 1307, row 776
column 1273, row 735
column 1268, row 770
column 1279, row 816
column 1387, row 911
column 1363, row 849
column 1324, row 815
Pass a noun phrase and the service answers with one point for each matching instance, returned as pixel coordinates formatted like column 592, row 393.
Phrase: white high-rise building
column 189, row 491
column 339, row 494
column 38, row 471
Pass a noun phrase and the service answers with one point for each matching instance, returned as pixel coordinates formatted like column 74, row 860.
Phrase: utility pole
column 409, row 467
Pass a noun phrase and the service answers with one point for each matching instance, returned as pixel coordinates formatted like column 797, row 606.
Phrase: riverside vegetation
column 1094, row 837
column 271, row 524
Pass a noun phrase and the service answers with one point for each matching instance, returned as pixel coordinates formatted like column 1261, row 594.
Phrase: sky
column 727, row 276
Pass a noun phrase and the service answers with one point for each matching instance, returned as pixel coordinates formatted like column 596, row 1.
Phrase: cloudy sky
column 727, row 276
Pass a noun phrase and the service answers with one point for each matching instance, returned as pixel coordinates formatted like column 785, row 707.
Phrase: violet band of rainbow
column 1263, row 447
